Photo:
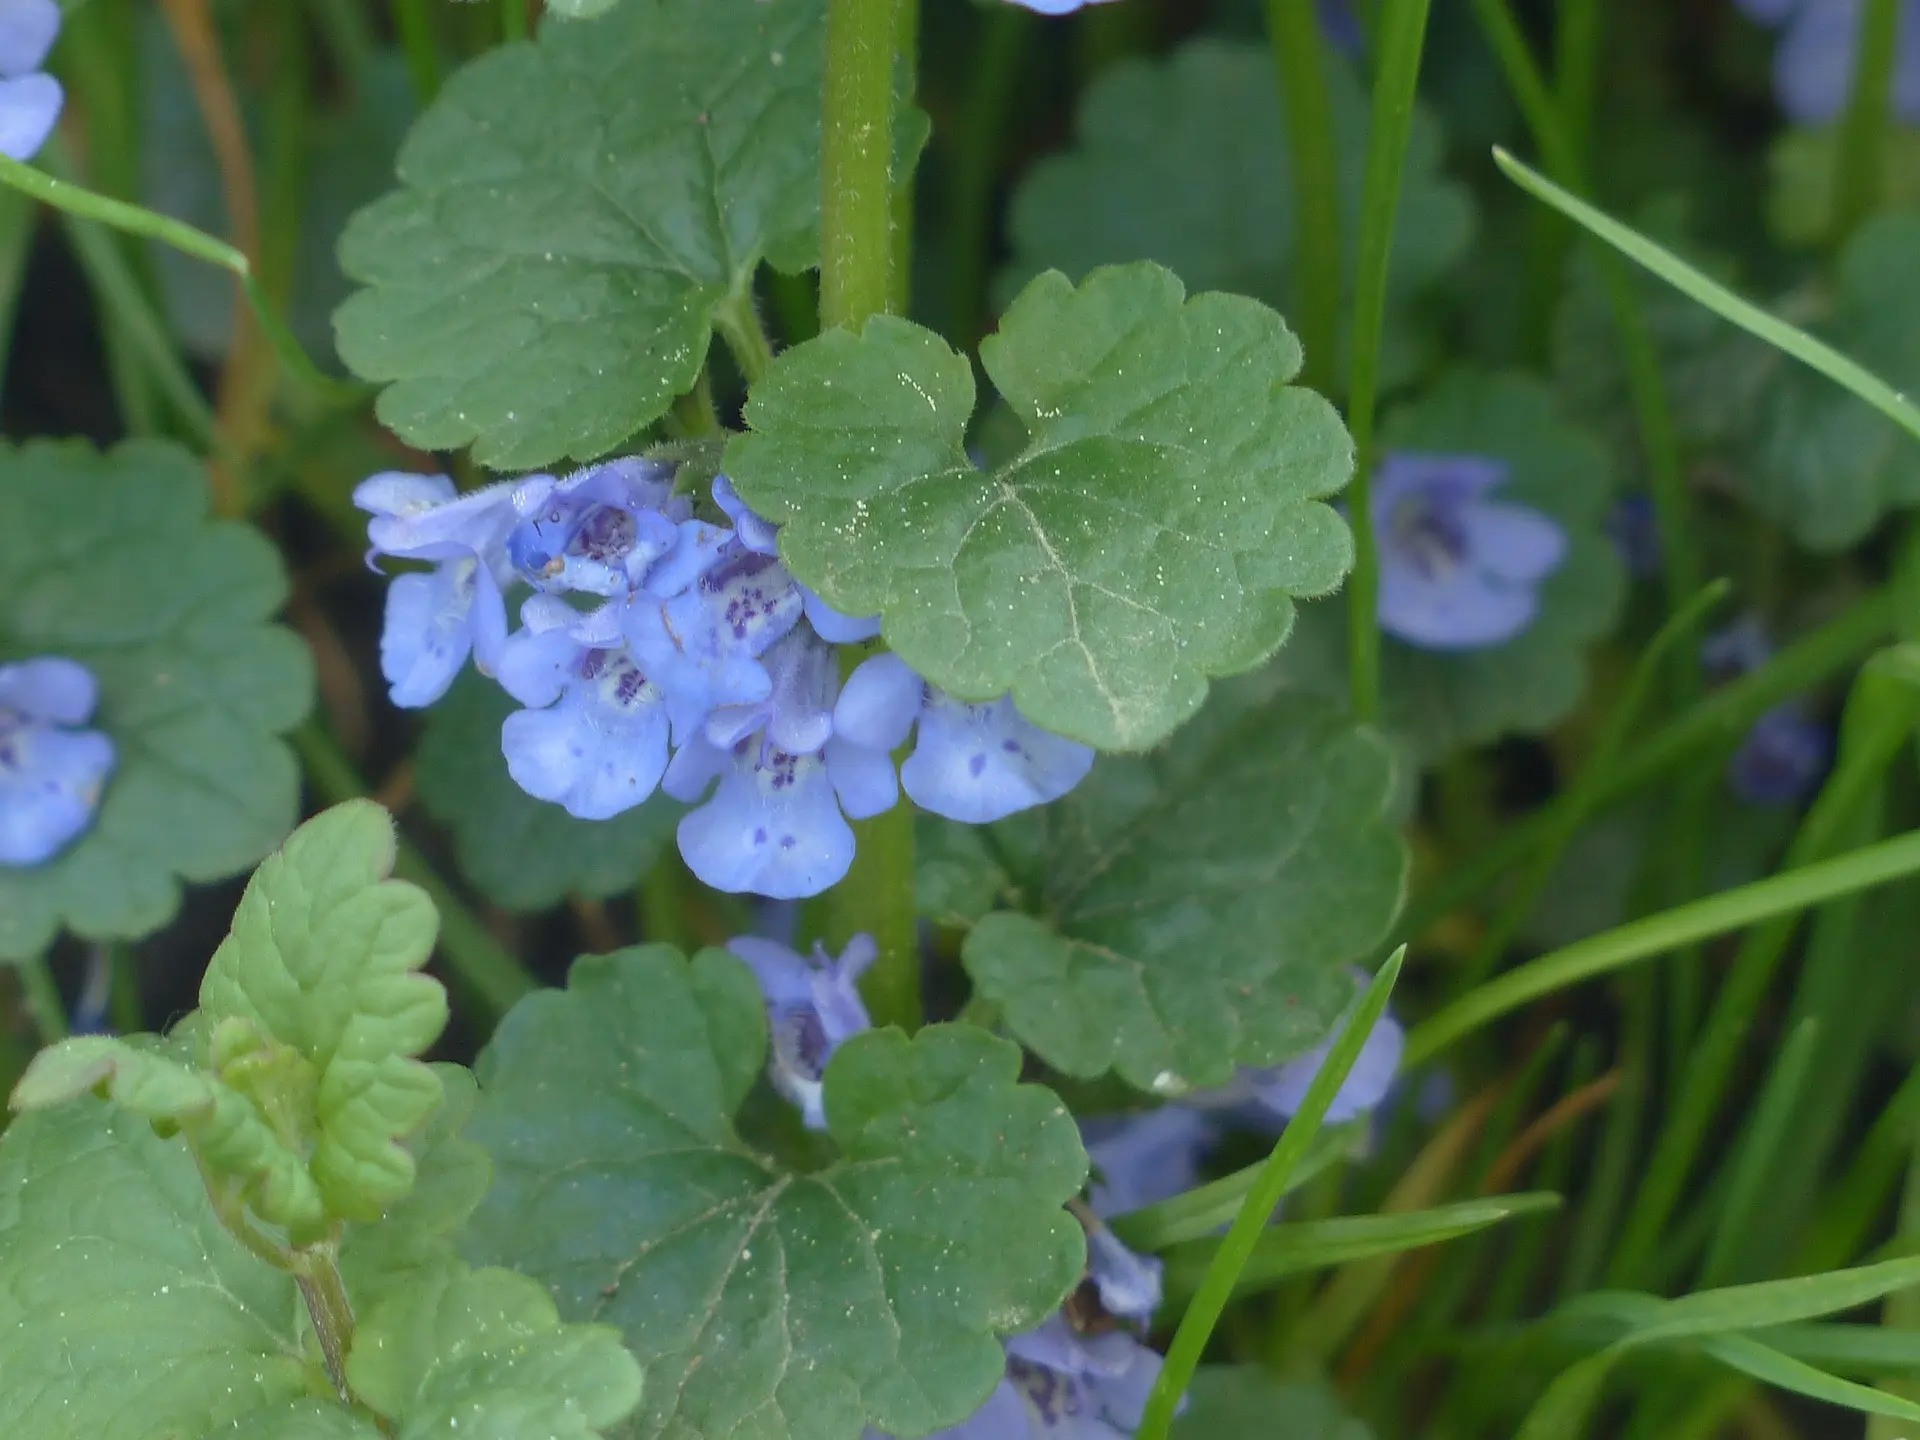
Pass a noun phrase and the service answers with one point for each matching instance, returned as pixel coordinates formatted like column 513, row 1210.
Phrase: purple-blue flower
column 1783, row 758
column 813, row 1004
column 51, row 770
column 602, row 748
column 1145, row 1158
column 973, row 763
column 1635, row 531
column 704, row 643
column 1282, row 1088
column 436, row 618
column 30, row 99
column 1817, row 54
column 1458, row 571
column 600, row 531
column 660, row 650
column 1056, row 7
column 1785, row 754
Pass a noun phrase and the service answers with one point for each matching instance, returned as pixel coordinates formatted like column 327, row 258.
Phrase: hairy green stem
column 1860, row 168
column 856, row 150
column 1402, row 37
column 738, row 322
column 317, row 1272
column 906, row 39
column 494, row 977
column 413, row 19
column 856, row 266
column 1783, row 894
column 1300, row 59
column 44, row 1006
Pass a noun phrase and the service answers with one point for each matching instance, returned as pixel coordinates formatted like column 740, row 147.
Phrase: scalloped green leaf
column 573, row 212
column 522, row 853
column 1822, row 463
column 226, row 1127
column 111, row 560
column 302, row 1420
column 1433, row 703
column 1198, row 909
column 324, row 957
column 483, row 1354
column 1185, row 161
column 1167, row 509
column 1249, row 1402
column 760, row 1300
column 127, row 1313
column 414, row 1240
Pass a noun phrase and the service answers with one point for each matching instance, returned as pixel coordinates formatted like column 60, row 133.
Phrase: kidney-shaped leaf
column 572, row 213
column 1168, row 507
column 761, row 1300
column 1197, row 907
column 111, row 560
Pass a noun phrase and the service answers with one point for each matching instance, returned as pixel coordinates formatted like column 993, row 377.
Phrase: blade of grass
column 1680, row 564
column 86, row 204
column 1707, row 1317
column 1584, row 795
column 1816, row 355
column 1861, row 167
column 1880, row 717
column 1205, row 1208
column 1656, row 934
column 1300, row 61
column 1401, row 38
column 1765, row 1138
column 1719, row 718
column 1295, row 1248
column 1216, row 1289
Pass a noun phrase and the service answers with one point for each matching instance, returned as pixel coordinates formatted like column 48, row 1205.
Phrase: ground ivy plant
column 911, row 718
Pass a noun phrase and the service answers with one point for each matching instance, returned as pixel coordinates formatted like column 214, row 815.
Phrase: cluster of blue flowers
column 661, row 650
column 30, row 99
column 51, row 770
column 1814, row 63
column 1786, row 753
column 1459, row 570
column 1060, row 1383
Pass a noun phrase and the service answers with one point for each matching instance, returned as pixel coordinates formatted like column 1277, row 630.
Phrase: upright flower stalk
column 856, row 282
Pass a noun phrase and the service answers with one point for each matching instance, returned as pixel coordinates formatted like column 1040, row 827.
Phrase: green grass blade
column 1401, row 38
column 1880, row 716
column 84, row 204
column 1723, row 302
column 1656, row 934
column 1216, row 1288
column 1294, row 1248
column 1767, row 1137
column 1770, row 1367
column 1204, row 1209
